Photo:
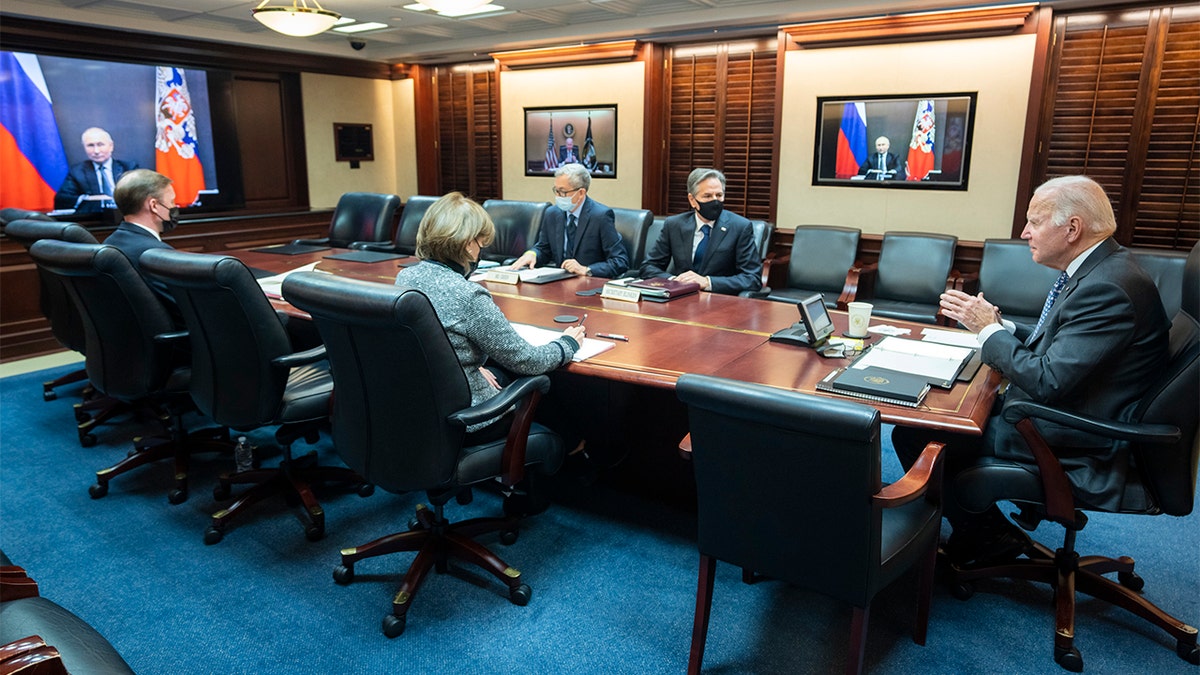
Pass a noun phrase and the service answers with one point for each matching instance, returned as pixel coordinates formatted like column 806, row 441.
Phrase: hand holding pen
column 577, row 331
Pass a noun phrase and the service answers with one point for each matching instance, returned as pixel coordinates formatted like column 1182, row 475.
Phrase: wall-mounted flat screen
column 918, row 141
column 556, row 136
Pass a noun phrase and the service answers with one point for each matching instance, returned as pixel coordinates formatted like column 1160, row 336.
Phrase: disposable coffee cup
column 860, row 318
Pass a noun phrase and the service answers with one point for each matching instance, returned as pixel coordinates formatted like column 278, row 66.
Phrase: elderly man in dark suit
column 580, row 235
column 882, row 165
column 88, row 184
column 1102, row 330
column 708, row 245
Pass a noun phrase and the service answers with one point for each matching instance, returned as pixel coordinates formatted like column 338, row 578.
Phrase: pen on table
column 613, row 336
column 582, row 320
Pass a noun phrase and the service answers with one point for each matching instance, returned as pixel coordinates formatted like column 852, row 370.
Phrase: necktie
column 882, row 169
column 570, row 248
column 699, row 257
column 105, row 186
column 1059, row 284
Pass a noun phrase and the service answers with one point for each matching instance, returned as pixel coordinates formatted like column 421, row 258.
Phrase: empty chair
column 517, row 224
column 405, row 241
column 12, row 214
column 633, row 225
column 413, row 436
column 913, row 270
column 1165, row 267
column 788, row 487
column 246, row 375
column 359, row 216
column 1010, row 279
column 820, row 260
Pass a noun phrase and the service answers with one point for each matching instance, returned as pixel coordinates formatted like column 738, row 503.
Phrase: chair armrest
column 173, row 336
column 967, row 283
column 527, row 390
column 303, row 358
column 380, row 246
column 924, row 476
column 1122, row 431
column 767, row 262
column 685, row 447
column 860, row 280
column 16, row 584
column 323, row 241
column 508, row 397
column 30, row 656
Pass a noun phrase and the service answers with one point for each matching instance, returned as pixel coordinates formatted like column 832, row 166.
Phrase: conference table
column 706, row 333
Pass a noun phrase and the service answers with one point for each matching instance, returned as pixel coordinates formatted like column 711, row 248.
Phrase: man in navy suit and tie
column 708, row 245
column 147, row 202
column 1102, row 330
column 580, row 235
column 89, row 185
column 882, row 165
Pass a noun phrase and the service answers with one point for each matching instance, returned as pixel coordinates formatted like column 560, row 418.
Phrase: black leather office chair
column 413, row 437
column 12, row 214
column 762, row 231
column 1161, row 436
column 405, row 241
column 517, row 224
column 359, row 216
column 837, row 531
column 245, row 375
column 1165, row 267
column 133, row 353
column 1011, row 280
column 652, row 235
column 820, row 260
column 913, row 270
column 633, row 225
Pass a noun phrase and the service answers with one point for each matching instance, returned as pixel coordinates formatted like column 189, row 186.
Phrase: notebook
column 661, row 289
column 366, row 256
column 877, row 384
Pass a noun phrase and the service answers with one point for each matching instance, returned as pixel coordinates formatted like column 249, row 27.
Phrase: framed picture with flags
column 917, row 141
column 585, row 135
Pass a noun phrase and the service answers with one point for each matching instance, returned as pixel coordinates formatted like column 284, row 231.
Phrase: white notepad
column 536, row 335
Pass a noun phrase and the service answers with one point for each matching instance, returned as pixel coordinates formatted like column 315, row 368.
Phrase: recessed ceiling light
column 360, row 27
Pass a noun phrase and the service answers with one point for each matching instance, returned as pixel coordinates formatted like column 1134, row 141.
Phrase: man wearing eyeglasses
column 580, row 235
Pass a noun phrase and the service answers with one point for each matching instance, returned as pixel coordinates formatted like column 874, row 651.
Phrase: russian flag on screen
column 175, row 139
column 32, row 161
column 852, row 140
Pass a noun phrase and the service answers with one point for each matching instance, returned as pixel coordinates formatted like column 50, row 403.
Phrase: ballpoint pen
column 582, row 320
column 613, row 336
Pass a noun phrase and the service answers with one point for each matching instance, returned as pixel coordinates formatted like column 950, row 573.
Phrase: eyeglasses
column 563, row 193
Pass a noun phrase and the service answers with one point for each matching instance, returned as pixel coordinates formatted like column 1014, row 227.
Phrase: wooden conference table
column 707, row 333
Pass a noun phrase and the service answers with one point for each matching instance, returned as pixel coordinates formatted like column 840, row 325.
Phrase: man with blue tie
column 708, row 245
column 1101, row 331
column 89, row 185
column 580, row 235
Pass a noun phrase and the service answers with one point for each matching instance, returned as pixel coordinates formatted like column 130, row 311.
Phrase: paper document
column 536, row 335
column 935, row 361
column 950, row 337
column 272, row 286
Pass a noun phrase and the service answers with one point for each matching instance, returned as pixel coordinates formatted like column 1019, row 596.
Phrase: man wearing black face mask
column 708, row 245
column 146, row 200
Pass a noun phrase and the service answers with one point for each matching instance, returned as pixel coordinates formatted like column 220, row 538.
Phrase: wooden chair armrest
column 967, row 283
column 16, row 584
column 1060, row 500
column 685, row 447
column 30, row 656
column 859, row 279
column 768, row 262
column 924, row 476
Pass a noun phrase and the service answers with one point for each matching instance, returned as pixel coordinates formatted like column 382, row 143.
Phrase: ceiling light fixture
column 298, row 20
column 453, row 6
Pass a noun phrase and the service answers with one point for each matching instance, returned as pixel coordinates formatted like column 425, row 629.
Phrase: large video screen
column 583, row 135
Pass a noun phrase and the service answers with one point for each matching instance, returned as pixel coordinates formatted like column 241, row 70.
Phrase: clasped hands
column 972, row 311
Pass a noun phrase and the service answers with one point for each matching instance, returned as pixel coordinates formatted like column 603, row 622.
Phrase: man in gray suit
column 1103, row 329
column 708, row 245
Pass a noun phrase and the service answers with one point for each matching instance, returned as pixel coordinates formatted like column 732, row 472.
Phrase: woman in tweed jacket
column 449, row 239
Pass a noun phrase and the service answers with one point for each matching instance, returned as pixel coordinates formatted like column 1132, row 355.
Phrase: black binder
column 877, row 384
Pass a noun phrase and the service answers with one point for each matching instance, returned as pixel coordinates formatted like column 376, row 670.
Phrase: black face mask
column 172, row 220
column 710, row 210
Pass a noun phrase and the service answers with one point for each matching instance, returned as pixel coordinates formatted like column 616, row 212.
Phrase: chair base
column 72, row 377
column 293, row 479
column 1067, row 572
column 436, row 541
column 178, row 446
column 94, row 410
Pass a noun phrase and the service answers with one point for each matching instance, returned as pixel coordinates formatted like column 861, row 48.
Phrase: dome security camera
column 357, row 45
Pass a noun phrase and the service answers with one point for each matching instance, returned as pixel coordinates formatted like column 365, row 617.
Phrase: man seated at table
column 146, row 200
column 708, row 245
column 1102, row 330
column 580, row 235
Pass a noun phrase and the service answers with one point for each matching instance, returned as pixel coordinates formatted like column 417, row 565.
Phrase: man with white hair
column 89, row 185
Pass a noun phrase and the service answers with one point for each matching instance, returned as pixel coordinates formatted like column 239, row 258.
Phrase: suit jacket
column 597, row 243
column 731, row 260
column 133, row 241
column 1106, row 331
column 81, row 180
column 891, row 162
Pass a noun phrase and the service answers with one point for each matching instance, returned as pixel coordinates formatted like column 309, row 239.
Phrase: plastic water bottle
column 243, row 455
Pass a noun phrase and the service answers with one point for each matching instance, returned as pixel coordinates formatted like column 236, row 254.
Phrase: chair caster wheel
column 365, row 490
column 520, row 595
column 98, row 490
column 49, row 395
column 177, row 496
column 414, row 524
column 343, row 575
column 508, row 537
column 1131, row 580
column 962, row 590
column 314, row 532
column 393, row 625
column 82, row 416
column 212, row 536
column 87, row 440
column 1188, row 651
column 222, row 492
column 1069, row 659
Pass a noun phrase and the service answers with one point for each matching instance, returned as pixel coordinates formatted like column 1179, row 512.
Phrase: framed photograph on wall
column 561, row 135
column 918, row 141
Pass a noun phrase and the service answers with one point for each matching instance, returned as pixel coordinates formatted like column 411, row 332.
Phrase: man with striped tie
column 89, row 185
column 1102, row 330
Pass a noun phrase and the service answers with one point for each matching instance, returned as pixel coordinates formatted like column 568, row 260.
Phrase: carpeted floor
column 613, row 575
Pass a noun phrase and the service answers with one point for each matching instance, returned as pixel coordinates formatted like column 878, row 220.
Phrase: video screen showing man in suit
column 1102, row 330
column 567, row 153
column 708, row 245
column 882, row 165
column 89, row 185
column 579, row 235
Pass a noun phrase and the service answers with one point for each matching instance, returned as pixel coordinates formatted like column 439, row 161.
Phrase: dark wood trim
column 1036, row 110
column 425, row 102
column 782, row 45
column 1142, row 124
column 654, row 126
column 947, row 24
column 575, row 55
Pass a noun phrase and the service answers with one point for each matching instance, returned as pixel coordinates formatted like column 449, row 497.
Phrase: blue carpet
column 613, row 575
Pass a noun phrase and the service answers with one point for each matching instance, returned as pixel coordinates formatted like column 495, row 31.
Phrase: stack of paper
column 938, row 362
column 535, row 335
column 272, row 286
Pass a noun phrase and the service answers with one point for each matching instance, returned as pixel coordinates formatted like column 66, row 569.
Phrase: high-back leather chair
column 914, row 269
column 12, row 214
column 762, row 231
column 652, row 235
column 132, row 352
column 820, row 260
column 359, row 216
column 245, row 375
column 788, row 486
column 1010, row 279
column 1161, row 435
column 633, row 225
column 405, row 241
column 400, row 417
column 1165, row 267
column 517, row 224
